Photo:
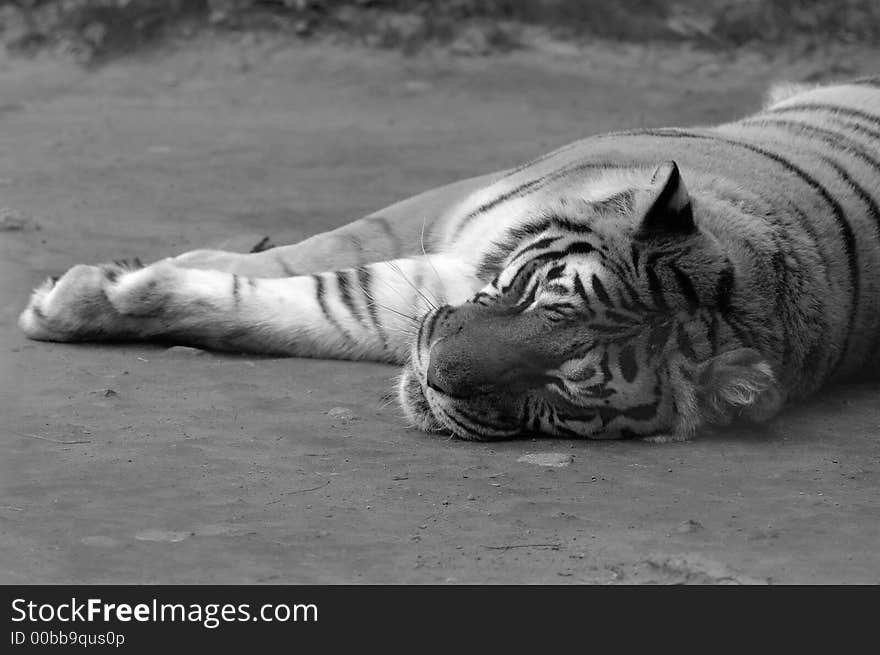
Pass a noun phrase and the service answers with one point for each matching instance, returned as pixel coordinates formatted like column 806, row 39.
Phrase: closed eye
column 583, row 375
column 557, row 288
column 559, row 311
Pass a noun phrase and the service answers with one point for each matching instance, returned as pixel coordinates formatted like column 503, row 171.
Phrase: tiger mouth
column 473, row 418
column 470, row 421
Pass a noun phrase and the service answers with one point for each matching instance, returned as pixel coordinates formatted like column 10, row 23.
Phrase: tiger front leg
column 369, row 312
column 349, row 246
column 284, row 261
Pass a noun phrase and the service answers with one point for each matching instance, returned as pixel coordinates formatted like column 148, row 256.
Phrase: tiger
column 645, row 283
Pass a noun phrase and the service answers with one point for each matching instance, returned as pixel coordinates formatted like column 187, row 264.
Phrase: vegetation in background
column 92, row 29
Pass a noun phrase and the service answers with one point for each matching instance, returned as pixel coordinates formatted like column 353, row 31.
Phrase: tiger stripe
column 364, row 279
column 836, row 111
column 530, row 187
column 321, row 296
column 842, row 145
column 810, row 181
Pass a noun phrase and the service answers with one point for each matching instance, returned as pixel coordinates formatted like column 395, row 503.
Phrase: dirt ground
column 139, row 464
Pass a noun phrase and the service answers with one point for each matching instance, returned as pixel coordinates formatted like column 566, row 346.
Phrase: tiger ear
column 737, row 382
column 670, row 211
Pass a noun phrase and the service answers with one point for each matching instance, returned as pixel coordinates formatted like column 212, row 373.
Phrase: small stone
column 100, row 541
column 341, row 414
column 162, row 535
column 471, row 497
column 106, row 393
column 686, row 527
column 556, row 460
column 12, row 220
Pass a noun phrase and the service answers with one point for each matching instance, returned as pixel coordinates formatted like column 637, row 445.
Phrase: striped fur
column 644, row 282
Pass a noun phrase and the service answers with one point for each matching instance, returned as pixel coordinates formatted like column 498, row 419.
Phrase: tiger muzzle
column 479, row 352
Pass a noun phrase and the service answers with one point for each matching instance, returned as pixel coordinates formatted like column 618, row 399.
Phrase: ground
column 140, row 464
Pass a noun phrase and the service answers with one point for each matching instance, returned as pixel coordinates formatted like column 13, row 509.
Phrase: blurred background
column 96, row 28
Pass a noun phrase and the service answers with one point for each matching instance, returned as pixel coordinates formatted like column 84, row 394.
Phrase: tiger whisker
column 394, row 266
column 375, row 303
column 396, row 291
column 412, row 319
column 428, row 258
column 397, row 268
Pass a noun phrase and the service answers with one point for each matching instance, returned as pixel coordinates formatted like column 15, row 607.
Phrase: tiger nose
column 479, row 360
column 452, row 373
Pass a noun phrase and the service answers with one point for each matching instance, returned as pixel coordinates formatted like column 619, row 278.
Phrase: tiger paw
column 78, row 305
column 145, row 292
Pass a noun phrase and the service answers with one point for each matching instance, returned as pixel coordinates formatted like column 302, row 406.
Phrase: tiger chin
column 649, row 282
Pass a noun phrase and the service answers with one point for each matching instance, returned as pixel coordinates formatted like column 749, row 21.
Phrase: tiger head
column 607, row 319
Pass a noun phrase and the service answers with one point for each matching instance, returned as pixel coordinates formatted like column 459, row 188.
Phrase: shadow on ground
column 142, row 464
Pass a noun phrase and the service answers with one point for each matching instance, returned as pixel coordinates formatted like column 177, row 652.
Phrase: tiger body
column 644, row 282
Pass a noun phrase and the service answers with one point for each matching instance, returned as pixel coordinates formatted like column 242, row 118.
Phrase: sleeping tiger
column 640, row 283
